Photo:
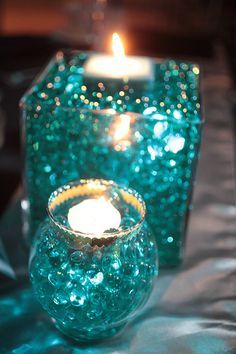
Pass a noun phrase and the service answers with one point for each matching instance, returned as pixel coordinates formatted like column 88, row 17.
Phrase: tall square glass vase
column 143, row 133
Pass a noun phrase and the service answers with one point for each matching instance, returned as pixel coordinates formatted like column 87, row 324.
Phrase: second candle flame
column 117, row 46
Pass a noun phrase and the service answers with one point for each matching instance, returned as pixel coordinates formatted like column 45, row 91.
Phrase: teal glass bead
column 142, row 133
column 92, row 286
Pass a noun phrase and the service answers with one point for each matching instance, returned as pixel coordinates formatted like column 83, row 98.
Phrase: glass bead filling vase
column 143, row 133
column 92, row 286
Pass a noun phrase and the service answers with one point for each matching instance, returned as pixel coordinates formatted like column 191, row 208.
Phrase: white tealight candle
column 94, row 216
column 118, row 66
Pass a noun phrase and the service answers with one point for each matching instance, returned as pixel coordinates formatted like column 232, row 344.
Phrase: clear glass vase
column 93, row 285
column 144, row 133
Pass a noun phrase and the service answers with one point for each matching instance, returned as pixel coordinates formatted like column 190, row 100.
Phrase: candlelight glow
column 94, row 216
column 122, row 128
column 117, row 46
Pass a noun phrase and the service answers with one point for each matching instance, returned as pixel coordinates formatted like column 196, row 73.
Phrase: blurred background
column 31, row 31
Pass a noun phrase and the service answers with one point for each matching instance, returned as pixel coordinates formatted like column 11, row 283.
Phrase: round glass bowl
column 92, row 285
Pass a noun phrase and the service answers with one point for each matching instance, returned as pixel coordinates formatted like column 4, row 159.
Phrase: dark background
column 31, row 31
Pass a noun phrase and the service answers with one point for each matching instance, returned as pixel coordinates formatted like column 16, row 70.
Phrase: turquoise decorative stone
column 144, row 134
column 92, row 286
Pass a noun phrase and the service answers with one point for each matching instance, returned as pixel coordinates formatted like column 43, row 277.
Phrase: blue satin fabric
column 193, row 308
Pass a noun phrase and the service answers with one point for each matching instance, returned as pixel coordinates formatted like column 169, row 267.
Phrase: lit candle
column 94, row 216
column 118, row 66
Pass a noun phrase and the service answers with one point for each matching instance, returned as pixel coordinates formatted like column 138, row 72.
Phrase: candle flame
column 117, row 46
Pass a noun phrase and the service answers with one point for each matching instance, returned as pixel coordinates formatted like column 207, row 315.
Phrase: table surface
column 193, row 308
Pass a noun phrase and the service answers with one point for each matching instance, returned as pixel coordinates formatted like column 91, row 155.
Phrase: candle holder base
column 93, row 335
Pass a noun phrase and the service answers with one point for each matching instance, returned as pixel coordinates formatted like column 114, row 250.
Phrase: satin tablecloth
column 193, row 308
